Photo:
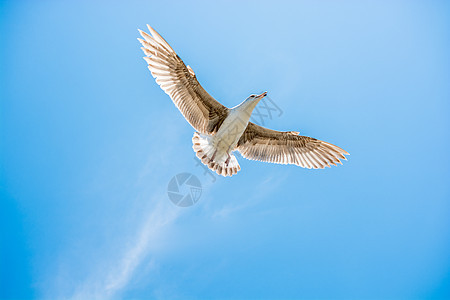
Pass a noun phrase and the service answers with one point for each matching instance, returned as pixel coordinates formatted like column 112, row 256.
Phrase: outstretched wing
column 259, row 143
column 199, row 108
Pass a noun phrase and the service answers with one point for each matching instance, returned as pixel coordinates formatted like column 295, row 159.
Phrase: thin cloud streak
column 159, row 218
column 117, row 278
column 109, row 283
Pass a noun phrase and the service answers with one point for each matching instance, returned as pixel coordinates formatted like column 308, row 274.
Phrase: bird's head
column 250, row 103
column 256, row 98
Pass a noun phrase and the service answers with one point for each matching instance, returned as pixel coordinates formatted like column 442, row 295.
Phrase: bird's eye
column 252, row 96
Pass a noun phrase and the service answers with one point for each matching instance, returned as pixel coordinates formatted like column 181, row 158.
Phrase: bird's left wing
column 259, row 143
column 199, row 108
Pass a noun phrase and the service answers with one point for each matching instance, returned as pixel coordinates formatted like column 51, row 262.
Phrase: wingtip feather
column 159, row 38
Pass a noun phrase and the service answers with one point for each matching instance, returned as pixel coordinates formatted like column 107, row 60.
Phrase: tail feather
column 202, row 145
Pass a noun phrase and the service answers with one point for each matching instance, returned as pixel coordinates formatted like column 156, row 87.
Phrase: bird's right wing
column 259, row 143
column 199, row 108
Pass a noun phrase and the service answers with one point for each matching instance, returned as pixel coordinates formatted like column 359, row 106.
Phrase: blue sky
column 88, row 144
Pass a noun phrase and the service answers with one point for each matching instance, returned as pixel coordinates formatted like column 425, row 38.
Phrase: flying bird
column 221, row 130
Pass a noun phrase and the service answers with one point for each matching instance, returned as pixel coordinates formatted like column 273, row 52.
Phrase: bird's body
column 221, row 130
column 234, row 126
column 216, row 150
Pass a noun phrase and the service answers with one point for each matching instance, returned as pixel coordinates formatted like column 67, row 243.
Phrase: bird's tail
column 222, row 165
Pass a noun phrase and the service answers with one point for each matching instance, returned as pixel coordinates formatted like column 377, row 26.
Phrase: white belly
column 228, row 135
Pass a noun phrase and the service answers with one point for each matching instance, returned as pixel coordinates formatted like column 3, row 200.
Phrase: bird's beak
column 259, row 97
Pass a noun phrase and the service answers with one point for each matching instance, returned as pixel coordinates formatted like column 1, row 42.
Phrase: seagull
column 220, row 130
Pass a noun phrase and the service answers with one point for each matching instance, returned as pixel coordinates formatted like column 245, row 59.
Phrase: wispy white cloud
column 160, row 217
column 111, row 272
column 110, row 282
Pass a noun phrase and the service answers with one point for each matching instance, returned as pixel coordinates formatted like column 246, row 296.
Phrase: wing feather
column 259, row 143
column 177, row 80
